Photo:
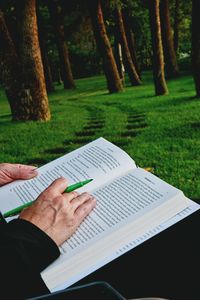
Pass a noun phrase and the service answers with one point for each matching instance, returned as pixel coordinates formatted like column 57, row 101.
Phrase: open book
column 132, row 206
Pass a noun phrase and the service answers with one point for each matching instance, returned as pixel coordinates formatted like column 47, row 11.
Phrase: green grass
column 159, row 132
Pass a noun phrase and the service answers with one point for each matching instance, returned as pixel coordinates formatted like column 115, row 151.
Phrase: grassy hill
column 158, row 132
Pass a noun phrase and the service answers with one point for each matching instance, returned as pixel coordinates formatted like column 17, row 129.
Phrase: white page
column 101, row 250
column 193, row 206
column 122, row 201
column 119, row 200
column 100, row 160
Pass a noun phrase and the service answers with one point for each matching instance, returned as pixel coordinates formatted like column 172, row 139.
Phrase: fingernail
column 32, row 172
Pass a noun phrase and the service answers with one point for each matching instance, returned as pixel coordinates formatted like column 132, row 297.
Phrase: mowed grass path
column 158, row 132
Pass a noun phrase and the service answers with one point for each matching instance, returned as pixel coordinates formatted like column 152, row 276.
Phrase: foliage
column 184, row 26
column 79, row 35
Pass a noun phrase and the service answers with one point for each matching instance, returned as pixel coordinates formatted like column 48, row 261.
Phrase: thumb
column 19, row 171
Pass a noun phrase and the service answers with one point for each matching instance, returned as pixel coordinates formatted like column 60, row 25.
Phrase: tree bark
column 196, row 45
column 118, row 58
column 11, row 71
column 131, row 40
column 47, row 69
column 131, row 70
column 171, row 65
column 44, row 52
column 33, row 72
column 24, row 104
column 158, row 62
column 58, row 23
column 176, row 25
column 114, row 83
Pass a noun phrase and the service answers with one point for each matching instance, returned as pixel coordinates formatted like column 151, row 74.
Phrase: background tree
column 44, row 52
column 23, row 75
column 128, row 26
column 32, row 67
column 171, row 65
column 158, row 61
column 103, row 44
column 176, row 24
column 11, row 72
column 57, row 17
column 196, row 45
column 118, row 55
column 131, row 70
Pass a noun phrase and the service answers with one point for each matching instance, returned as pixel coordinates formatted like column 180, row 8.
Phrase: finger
column 68, row 197
column 80, row 200
column 58, row 201
column 19, row 171
column 84, row 209
column 62, row 201
column 58, row 186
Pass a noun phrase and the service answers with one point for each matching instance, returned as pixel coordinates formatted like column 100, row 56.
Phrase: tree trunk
column 196, row 45
column 171, row 65
column 131, row 70
column 33, row 73
column 131, row 40
column 44, row 52
column 58, row 23
column 47, row 69
column 19, row 95
column 158, row 62
column 103, row 44
column 176, row 25
column 118, row 56
column 11, row 71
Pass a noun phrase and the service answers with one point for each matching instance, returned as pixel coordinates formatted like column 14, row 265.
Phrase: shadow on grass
column 5, row 116
column 86, row 133
column 78, row 140
column 93, row 126
column 58, row 150
column 136, row 126
column 186, row 131
column 182, row 99
column 37, row 161
column 130, row 133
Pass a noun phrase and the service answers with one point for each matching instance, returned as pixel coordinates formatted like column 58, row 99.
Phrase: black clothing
column 25, row 251
column 167, row 265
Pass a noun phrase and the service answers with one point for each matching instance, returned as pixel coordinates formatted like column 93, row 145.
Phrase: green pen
column 69, row 189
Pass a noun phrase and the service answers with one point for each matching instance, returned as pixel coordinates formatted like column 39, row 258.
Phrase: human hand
column 11, row 172
column 58, row 214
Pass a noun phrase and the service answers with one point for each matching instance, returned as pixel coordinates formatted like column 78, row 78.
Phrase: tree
column 57, row 18
column 27, row 98
column 130, row 39
column 171, row 65
column 114, row 83
column 33, row 73
column 44, row 52
column 158, row 61
column 118, row 56
column 131, row 70
column 176, row 24
column 10, row 71
column 196, row 45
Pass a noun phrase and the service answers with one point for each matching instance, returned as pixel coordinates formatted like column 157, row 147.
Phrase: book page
column 121, row 200
column 127, row 208
column 131, row 244
column 100, row 160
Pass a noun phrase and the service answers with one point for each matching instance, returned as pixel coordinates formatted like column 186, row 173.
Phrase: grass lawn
column 159, row 132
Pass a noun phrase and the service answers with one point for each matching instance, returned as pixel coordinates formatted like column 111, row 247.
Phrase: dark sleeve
column 24, row 252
